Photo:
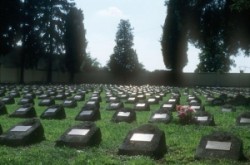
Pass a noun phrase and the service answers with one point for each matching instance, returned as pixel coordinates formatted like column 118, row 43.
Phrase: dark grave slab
column 60, row 96
column 25, row 111
column 14, row 94
column 228, row 108
column 3, row 109
column 217, row 102
column 114, row 105
column 112, row 99
column 54, row 112
column 243, row 119
column 124, row 115
column 142, row 106
column 24, row 101
column 43, row 96
column 96, row 98
column 204, row 118
column 47, row 102
column 168, row 106
column 24, row 133
column 8, row 100
column 147, row 140
column 38, row 92
column 92, row 103
column 220, row 145
column 81, row 136
column 197, row 107
column 88, row 114
column 141, row 97
column 161, row 116
column 29, row 96
column 69, row 103
column 131, row 100
column 152, row 100
column 79, row 97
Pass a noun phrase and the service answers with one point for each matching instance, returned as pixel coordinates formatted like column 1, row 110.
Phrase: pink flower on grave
column 185, row 114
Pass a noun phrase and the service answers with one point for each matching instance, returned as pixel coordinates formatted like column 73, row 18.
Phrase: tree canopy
column 124, row 61
column 218, row 27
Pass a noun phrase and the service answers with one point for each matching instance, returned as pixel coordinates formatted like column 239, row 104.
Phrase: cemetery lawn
column 181, row 140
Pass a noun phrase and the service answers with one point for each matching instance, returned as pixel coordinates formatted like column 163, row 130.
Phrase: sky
column 101, row 19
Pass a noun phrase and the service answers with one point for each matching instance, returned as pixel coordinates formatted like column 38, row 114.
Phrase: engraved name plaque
column 78, row 132
column 142, row 137
column 215, row 145
column 160, row 116
column 123, row 114
column 20, row 128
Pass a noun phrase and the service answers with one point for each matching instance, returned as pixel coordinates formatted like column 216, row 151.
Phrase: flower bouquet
column 185, row 114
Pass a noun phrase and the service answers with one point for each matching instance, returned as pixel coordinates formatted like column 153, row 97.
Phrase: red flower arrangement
column 185, row 114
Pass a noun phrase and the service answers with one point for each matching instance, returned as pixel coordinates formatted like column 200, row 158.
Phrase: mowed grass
column 181, row 140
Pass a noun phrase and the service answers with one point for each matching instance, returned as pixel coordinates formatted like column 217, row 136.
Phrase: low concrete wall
column 12, row 75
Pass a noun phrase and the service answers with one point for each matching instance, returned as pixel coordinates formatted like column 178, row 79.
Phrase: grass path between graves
column 181, row 140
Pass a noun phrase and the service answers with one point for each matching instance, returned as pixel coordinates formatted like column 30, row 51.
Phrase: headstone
column 161, row 116
column 25, row 111
column 81, row 136
column 142, row 106
column 3, row 109
column 243, row 119
column 88, row 114
column 220, row 145
column 92, row 104
column 115, row 105
column 112, row 99
column 54, row 112
column 217, row 102
column 152, row 100
column 204, row 118
column 60, row 96
column 79, row 97
column 228, row 108
column 96, row 98
column 131, row 100
column 124, row 115
column 24, row 101
column 69, row 103
column 8, row 100
column 168, row 106
column 147, row 140
column 47, row 102
column 43, row 96
column 22, row 134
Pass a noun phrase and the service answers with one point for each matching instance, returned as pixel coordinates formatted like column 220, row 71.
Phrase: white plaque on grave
column 195, row 107
column 112, row 98
column 67, row 101
column 123, row 114
column 85, row 113
column 202, row 118
column 51, row 110
column 226, row 110
column 5, row 99
column 167, row 106
column 91, row 103
column 172, row 100
column 46, row 101
column 131, row 99
column 210, row 99
column 151, row 100
column 82, row 132
column 142, row 137
column 244, row 120
column 20, row 128
column 78, row 97
column 21, row 110
column 114, row 104
column 160, row 116
column 216, row 145
column 140, row 105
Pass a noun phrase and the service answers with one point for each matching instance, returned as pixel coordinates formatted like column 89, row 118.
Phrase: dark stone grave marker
column 217, row 102
column 161, row 116
column 89, row 114
column 47, row 102
column 152, row 100
column 8, row 100
column 3, row 109
column 228, row 108
column 54, row 112
column 168, row 106
column 124, row 115
column 43, row 96
column 220, row 145
column 146, row 140
column 204, row 118
column 92, row 104
column 30, row 96
column 25, row 111
column 79, row 97
column 115, row 105
column 60, row 96
column 24, row 101
column 81, row 136
column 25, row 133
column 131, row 100
column 243, row 119
column 69, row 103
column 142, row 106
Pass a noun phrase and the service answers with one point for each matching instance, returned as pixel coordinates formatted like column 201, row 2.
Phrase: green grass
column 181, row 140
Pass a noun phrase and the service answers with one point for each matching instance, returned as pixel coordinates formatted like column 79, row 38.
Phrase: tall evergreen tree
column 75, row 42
column 124, row 62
